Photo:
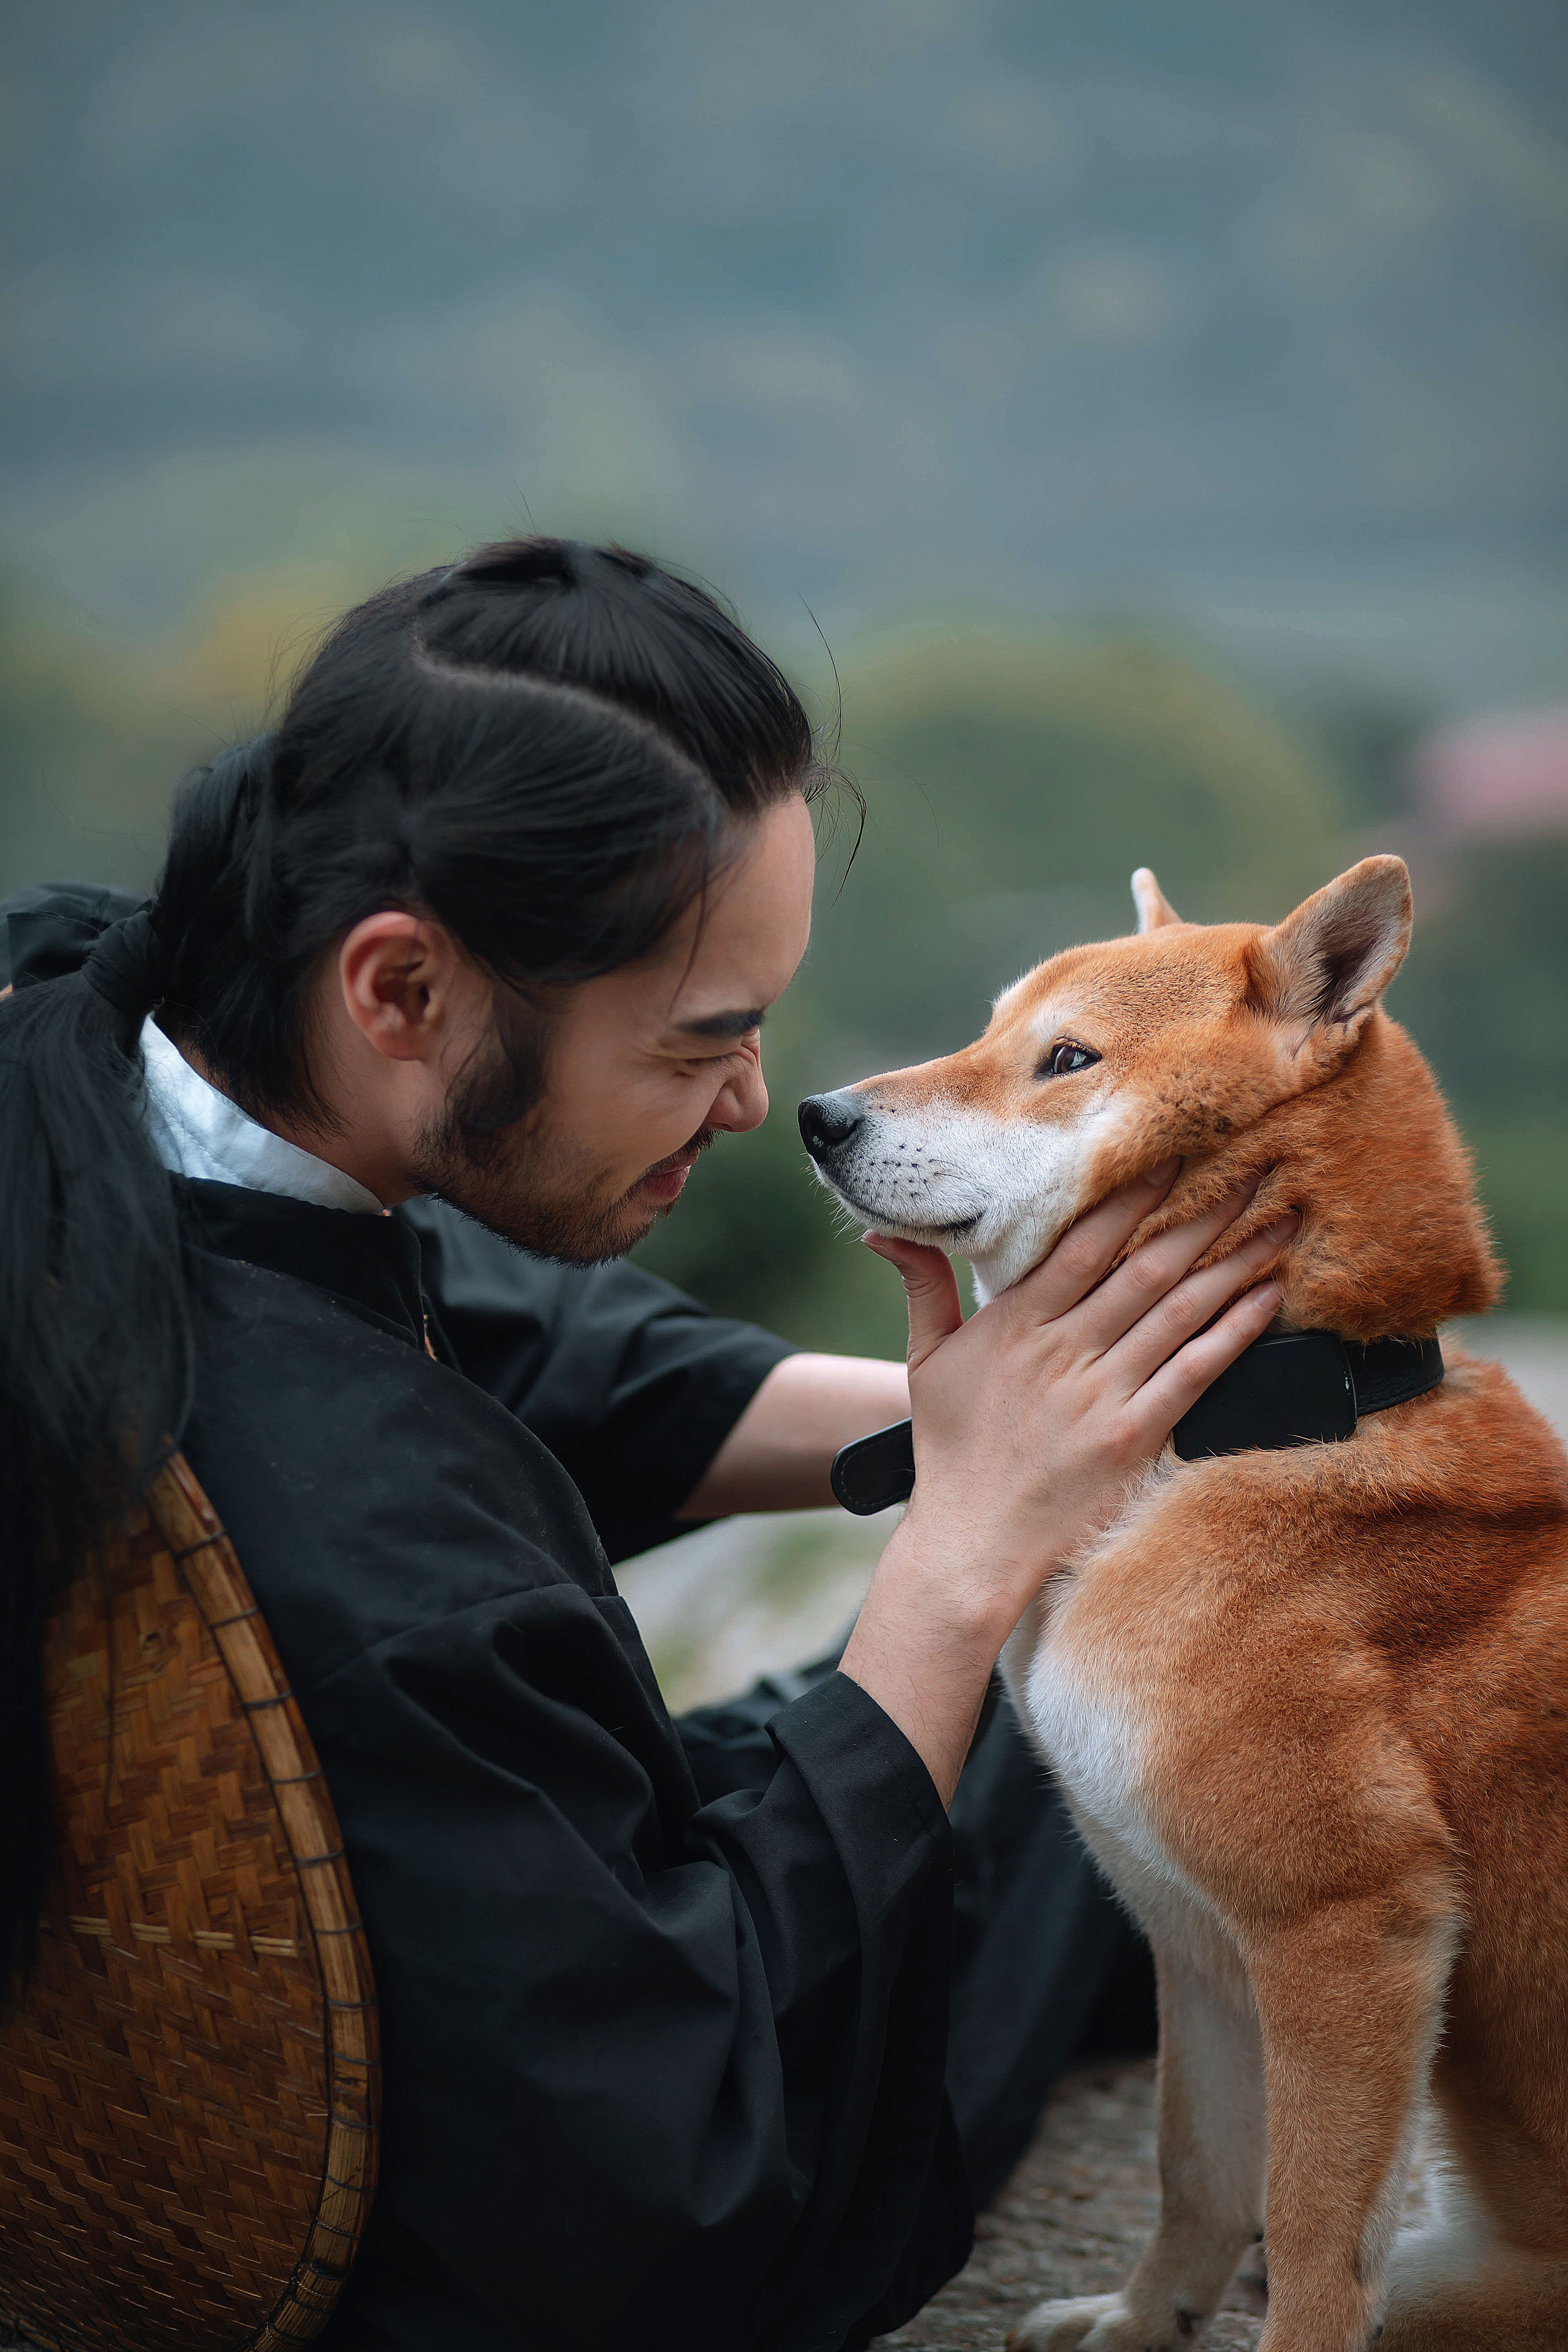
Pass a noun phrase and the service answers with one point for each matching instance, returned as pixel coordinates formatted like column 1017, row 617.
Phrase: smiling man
column 322, row 1164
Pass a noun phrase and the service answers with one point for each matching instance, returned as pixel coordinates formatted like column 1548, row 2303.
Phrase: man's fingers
column 1086, row 1249
column 931, row 1289
column 1178, row 1384
column 1190, row 1305
column 1124, row 1297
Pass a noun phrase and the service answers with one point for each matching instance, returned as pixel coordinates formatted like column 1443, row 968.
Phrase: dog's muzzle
column 828, row 1122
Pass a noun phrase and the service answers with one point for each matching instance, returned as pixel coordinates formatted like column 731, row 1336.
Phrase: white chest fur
column 1087, row 1715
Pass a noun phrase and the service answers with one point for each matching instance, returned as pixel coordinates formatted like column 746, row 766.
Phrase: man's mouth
column 664, row 1181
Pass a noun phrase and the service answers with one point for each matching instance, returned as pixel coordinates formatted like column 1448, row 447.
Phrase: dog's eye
column 1064, row 1059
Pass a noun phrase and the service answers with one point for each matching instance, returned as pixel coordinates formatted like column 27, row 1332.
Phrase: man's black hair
column 549, row 749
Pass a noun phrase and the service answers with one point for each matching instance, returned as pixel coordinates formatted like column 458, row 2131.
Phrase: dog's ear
column 1323, row 970
column 1154, row 910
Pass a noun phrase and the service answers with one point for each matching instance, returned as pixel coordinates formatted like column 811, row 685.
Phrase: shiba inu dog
column 1309, row 1704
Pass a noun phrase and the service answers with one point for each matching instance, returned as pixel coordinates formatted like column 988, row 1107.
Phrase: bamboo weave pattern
column 188, row 2091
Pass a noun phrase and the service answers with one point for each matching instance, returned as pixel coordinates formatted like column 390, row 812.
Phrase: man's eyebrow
column 722, row 1025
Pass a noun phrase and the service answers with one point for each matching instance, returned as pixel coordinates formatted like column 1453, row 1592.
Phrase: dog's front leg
column 1350, row 2004
column 1212, row 2164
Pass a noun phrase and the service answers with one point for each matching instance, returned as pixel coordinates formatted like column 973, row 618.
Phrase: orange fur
column 1311, row 1707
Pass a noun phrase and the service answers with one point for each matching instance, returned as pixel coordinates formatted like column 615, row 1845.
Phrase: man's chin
column 561, row 1234
column 637, row 1220
column 604, row 1247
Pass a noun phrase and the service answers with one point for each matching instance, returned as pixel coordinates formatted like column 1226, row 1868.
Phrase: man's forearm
column 777, row 1456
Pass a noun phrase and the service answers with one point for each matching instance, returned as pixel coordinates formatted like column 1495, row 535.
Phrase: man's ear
column 1154, row 910
column 396, row 971
column 1323, row 969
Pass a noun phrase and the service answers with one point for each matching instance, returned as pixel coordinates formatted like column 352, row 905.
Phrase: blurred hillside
column 1249, row 317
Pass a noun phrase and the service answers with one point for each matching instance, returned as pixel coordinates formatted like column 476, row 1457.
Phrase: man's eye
column 1064, row 1059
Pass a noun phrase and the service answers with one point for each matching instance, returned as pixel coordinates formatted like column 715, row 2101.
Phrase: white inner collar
column 197, row 1132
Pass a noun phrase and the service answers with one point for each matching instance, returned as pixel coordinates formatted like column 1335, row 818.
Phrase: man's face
column 645, row 1066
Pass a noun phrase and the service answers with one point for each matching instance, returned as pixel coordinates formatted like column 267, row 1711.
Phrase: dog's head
column 1247, row 1050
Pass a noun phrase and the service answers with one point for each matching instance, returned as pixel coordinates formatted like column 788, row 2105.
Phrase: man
column 489, row 926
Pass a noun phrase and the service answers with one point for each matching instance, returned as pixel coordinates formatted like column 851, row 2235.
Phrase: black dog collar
column 1292, row 1388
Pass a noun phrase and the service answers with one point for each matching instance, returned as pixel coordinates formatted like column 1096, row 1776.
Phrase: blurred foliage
column 1485, row 993
column 1013, row 783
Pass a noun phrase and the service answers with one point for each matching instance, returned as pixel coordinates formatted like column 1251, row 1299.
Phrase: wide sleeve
column 631, row 1384
column 684, row 2096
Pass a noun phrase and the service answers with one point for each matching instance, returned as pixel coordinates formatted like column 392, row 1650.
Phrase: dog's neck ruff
column 1291, row 1388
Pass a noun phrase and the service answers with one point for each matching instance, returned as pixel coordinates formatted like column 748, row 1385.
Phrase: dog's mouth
column 911, row 1227
column 851, row 1147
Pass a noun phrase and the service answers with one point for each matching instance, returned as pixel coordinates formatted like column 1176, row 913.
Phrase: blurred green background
column 1159, row 413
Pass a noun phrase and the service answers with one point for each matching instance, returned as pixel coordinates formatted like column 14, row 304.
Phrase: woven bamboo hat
column 188, row 2090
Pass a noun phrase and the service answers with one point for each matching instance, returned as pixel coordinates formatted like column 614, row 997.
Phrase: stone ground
column 1073, row 2220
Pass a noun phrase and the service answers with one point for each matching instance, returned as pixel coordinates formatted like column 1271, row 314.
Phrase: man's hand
column 1030, row 1421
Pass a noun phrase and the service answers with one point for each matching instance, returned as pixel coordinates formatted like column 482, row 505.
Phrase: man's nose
column 827, row 1121
column 742, row 1102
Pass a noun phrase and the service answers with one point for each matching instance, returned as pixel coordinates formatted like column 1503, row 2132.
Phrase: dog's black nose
column 827, row 1121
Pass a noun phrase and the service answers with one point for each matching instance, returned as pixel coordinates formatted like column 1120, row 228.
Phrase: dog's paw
column 1094, row 2323
column 1062, row 2327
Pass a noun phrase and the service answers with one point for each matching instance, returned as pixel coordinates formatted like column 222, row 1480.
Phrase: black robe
column 655, row 2070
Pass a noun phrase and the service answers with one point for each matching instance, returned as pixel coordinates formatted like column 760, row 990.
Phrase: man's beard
column 532, row 1188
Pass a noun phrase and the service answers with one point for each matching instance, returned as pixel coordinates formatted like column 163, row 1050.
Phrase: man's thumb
column 930, row 1286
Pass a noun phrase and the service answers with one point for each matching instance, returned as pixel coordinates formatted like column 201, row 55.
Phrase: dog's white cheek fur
column 925, row 1174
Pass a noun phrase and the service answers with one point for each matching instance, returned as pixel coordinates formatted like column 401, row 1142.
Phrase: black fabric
column 631, row 1384
column 370, row 1265
column 128, row 965
column 1045, row 1962
column 653, row 2067
column 50, row 928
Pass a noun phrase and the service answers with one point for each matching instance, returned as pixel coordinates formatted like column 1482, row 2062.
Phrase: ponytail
column 550, row 750
column 95, row 1353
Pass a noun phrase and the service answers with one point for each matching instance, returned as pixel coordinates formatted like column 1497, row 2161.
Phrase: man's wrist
column 936, row 1713
column 949, row 1578
column 924, row 1648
